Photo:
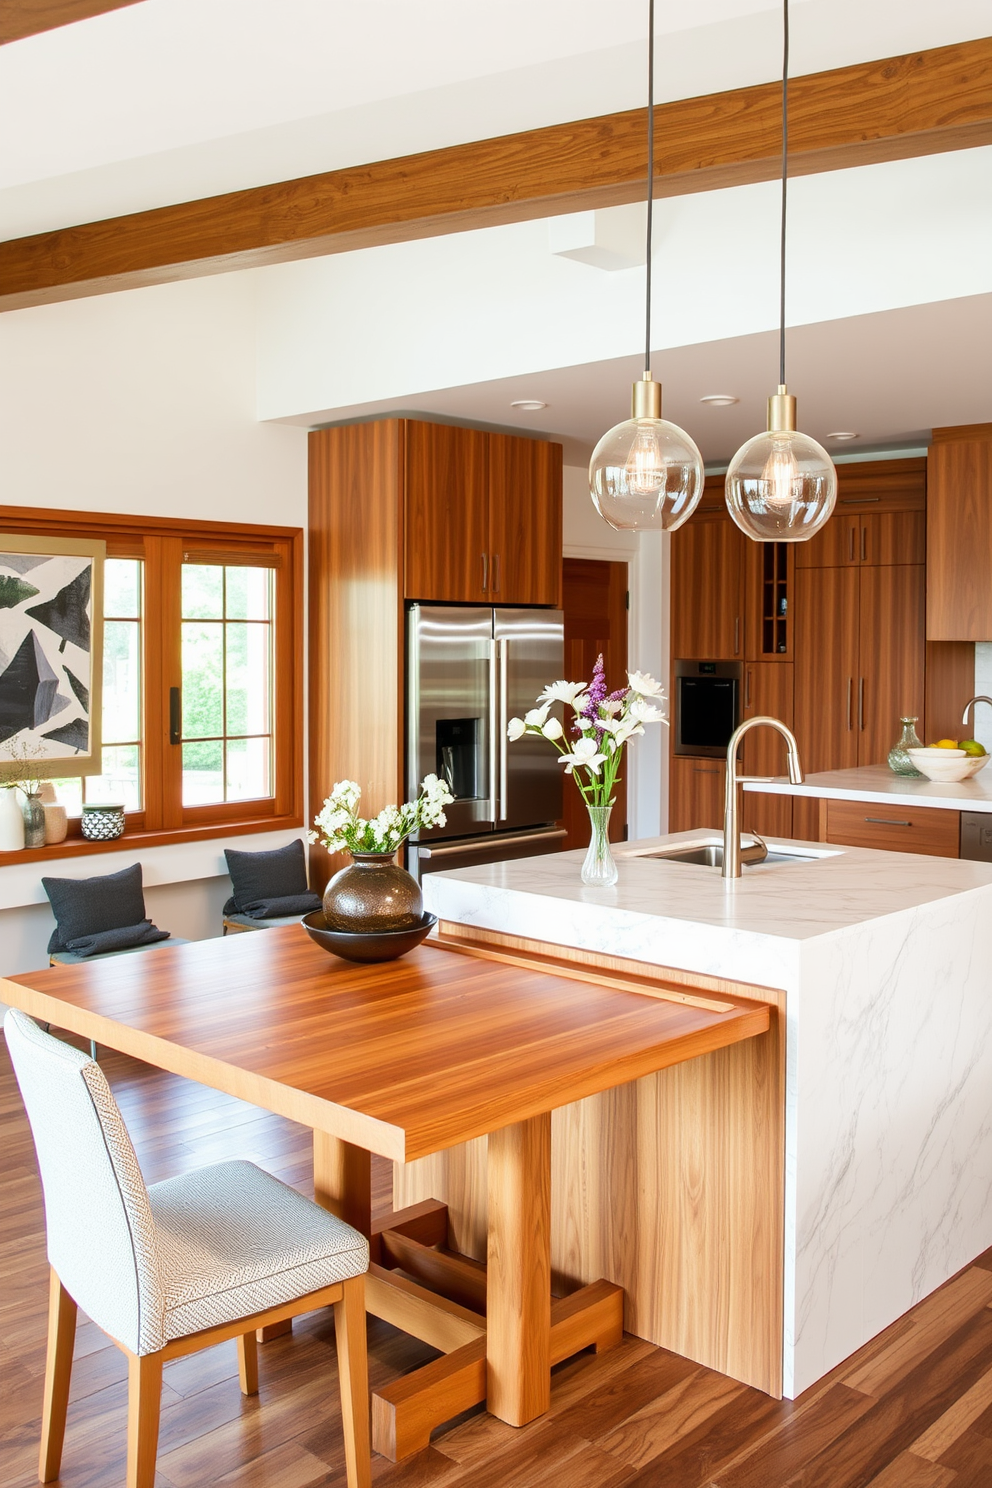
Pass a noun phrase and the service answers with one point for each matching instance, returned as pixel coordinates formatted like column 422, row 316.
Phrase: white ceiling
column 170, row 100
column 889, row 377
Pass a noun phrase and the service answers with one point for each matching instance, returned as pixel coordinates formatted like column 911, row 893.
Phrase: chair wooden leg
column 353, row 1377
column 248, row 1363
column 58, row 1369
column 144, row 1403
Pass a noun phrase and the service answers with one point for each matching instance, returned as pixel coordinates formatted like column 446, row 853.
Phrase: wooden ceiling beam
column 20, row 18
column 920, row 104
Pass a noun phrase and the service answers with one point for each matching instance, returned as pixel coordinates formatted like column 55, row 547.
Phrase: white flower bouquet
column 603, row 722
column 340, row 827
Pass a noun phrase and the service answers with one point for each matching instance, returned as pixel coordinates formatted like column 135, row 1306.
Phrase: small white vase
column 11, row 822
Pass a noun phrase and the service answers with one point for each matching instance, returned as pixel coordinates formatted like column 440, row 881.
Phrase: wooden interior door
column 827, row 668
column 595, row 608
column 525, row 520
column 695, row 794
column 768, row 693
column 707, row 586
column 446, row 520
column 892, row 649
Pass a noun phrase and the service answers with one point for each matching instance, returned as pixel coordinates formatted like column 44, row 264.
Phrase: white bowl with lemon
column 949, row 762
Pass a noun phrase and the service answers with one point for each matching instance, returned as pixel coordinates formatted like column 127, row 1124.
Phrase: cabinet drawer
column 926, row 830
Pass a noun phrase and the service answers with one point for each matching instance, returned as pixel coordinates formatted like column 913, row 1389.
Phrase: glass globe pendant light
column 646, row 473
column 781, row 486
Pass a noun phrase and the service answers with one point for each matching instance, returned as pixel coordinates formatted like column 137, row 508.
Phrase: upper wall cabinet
column 482, row 517
column 959, row 534
column 446, row 512
column 525, row 521
column 879, row 520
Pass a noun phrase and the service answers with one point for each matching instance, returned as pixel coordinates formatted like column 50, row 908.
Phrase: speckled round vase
column 373, row 894
column 56, row 822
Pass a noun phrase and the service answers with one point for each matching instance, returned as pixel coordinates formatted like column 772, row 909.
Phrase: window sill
column 133, row 842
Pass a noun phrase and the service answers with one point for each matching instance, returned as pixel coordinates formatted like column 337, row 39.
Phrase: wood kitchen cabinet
column 892, row 652
column 707, row 585
column 959, row 534
column 525, row 521
column 482, row 516
column 769, row 583
column 695, row 794
column 860, row 654
column 880, row 518
column 827, row 668
column 446, row 512
column 768, row 693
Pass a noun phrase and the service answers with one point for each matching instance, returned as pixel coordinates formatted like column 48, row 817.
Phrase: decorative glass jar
column 599, row 869
column 899, row 761
column 373, row 893
column 33, row 811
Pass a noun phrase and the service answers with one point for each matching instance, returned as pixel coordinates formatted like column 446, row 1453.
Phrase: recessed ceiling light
column 528, row 405
column 843, row 434
column 719, row 400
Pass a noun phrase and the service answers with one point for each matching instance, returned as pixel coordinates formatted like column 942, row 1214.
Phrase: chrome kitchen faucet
column 733, row 853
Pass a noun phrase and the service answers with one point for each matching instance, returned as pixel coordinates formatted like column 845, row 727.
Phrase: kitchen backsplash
column 983, row 683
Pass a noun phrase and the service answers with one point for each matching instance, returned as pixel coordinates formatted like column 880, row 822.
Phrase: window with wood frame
column 203, row 676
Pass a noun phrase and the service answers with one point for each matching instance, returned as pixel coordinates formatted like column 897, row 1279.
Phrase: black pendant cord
column 785, row 189
column 647, row 297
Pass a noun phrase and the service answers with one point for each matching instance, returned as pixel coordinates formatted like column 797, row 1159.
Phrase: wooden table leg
column 342, row 1180
column 518, row 1337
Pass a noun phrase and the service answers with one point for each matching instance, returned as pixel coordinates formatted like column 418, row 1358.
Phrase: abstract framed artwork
column 51, row 645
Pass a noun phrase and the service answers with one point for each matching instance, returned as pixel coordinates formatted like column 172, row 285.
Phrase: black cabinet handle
column 175, row 716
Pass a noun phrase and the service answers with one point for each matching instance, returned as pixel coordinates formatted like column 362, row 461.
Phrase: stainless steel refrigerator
column 469, row 670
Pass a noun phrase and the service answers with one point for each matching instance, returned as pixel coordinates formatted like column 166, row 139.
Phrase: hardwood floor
column 913, row 1409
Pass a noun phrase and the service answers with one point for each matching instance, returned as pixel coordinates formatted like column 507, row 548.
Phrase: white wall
column 140, row 402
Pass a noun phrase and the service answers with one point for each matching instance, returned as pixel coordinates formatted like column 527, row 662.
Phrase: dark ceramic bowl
column 376, row 945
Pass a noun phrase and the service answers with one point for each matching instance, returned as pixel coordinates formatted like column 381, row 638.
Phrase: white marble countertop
column 878, row 783
column 839, row 888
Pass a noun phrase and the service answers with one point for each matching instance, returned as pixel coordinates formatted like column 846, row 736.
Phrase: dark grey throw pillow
column 257, row 876
column 88, row 906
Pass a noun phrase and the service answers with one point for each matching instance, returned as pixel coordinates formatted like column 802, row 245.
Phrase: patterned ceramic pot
column 103, row 822
column 373, row 893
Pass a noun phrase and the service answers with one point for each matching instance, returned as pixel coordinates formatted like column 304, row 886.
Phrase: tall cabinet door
column 768, row 693
column 708, row 589
column 828, row 668
column 892, row 651
column 446, row 525
column 525, row 521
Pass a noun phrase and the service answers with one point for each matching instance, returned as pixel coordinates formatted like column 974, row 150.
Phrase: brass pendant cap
column 645, row 402
column 782, row 412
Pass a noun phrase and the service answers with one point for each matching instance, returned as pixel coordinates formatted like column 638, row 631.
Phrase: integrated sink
column 710, row 855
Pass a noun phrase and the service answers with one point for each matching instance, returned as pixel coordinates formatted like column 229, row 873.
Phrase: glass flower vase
column 899, row 760
column 599, row 870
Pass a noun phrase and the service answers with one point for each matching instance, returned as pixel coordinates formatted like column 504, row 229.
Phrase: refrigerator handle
column 504, row 667
column 494, row 744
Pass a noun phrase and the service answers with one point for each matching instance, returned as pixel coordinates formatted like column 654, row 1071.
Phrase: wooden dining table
column 406, row 1059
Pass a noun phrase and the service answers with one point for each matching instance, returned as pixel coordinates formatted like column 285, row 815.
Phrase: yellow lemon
column 946, row 744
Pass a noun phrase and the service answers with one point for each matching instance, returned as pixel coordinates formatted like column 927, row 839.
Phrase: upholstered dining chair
column 176, row 1267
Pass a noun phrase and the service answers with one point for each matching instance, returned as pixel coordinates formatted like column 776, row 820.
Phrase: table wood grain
column 403, row 1059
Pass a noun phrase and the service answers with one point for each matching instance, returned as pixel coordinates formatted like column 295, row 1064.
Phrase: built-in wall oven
column 707, row 706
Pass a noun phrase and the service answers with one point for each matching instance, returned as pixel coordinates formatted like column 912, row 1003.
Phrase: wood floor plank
column 910, row 1471
column 657, row 1427
column 699, row 1456
column 971, row 1460
column 806, row 1433
column 934, row 1320
column 947, row 1428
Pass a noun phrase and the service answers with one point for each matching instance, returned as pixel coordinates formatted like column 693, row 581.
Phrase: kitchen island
column 879, row 964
